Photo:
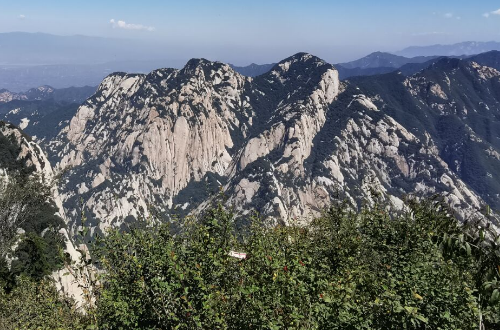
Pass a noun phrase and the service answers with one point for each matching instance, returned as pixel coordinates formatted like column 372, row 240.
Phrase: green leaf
column 421, row 318
column 494, row 296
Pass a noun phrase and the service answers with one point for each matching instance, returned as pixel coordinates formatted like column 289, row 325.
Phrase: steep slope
column 457, row 103
column 286, row 143
column 491, row 59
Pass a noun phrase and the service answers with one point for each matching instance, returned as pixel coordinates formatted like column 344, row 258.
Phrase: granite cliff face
column 286, row 143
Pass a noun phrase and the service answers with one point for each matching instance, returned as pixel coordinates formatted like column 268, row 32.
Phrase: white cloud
column 448, row 15
column 495, row 12
column 458, row 17
column 128, row 26
column 21, row 16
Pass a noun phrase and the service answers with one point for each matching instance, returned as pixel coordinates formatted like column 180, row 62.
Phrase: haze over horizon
column 225, row 31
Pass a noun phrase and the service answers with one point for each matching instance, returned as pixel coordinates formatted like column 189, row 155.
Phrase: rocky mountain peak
column 300, row 63
column 453, row 71
column 206, row 69
column 302, row 77
column 195, row 63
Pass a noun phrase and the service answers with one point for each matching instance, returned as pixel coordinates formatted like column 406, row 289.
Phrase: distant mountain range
column 381, row 59
column 39, row 111
column 29, row 60
column 382, row 63
column 408, row 61
column 458, row 49
column 372, row 64
column 43, row 93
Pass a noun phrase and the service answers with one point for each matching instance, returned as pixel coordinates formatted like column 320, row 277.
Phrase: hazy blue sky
column 262, row 31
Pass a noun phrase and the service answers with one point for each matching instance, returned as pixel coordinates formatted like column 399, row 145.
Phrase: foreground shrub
column 366, row 270
column 37, row 305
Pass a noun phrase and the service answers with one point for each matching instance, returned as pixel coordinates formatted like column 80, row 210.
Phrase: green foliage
column 38, row 256
column 9, row 151
column 345, row 270
column 37, row 305
column 26, row 204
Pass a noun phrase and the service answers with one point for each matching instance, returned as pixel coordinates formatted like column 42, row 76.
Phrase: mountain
column 253, row 69
column 7, row 96
column 382, row 63
column 372, row 64
column 42, row 111
column 490, row 59
column 286, row 143
column 20, row 152
column 463, row 48
column 456, row 102
column 43, row 93
column 382, row 60
column 413, row 68
column 40, row 119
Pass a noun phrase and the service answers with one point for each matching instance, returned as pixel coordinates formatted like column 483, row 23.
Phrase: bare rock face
column 286, row 143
